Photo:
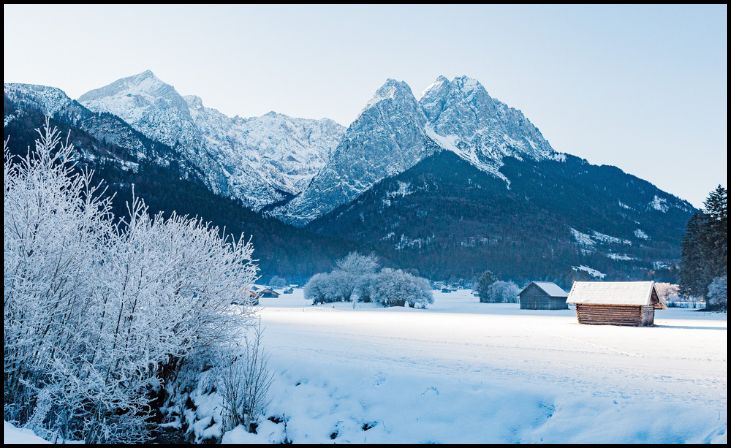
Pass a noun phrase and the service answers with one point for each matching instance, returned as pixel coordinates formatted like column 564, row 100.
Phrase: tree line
column 703, row 267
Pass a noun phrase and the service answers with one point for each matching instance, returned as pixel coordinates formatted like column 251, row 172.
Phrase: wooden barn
column 543, row 296
column 615, row 303
column 268, row 293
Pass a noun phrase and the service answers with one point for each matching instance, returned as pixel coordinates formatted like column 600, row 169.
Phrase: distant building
column 616, row 303
column 543, row 296
column 268, row 293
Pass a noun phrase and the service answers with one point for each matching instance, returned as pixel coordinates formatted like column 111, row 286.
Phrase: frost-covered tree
column 314, row 289
column 95, row 309
column 329, row 287
column 350, row 269
column 357, row 264
column 717, row 297
column 394, row 287
column 356, row 279
column 340, row 285
column 501, row 292
column 364, row 287
column 277, row 282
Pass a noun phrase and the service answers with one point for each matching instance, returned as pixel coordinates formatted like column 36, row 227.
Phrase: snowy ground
column 12, row 434
column 463, row 371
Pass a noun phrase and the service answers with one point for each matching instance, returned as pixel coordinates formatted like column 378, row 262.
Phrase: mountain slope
column 280, row 249
column 258, row 160
column 387, row 138
column 559, row 220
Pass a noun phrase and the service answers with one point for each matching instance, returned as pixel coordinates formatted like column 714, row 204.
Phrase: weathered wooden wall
column 634, row 315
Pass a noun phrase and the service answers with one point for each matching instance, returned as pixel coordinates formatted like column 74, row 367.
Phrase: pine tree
column 693, row 262
column 717, row 240
column 486, row 280
column 704, row 251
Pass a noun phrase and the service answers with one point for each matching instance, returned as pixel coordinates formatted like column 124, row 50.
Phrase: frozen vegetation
column 100, row 313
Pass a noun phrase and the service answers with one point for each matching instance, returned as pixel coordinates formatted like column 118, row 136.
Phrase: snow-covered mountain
column 133, row 146
column 386, row 139
column 286, row 152
column 456, row 175
column 259, row 160
column 463, row 118
column 395, row 131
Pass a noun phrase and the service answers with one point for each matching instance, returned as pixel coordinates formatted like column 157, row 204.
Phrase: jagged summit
column 386, row 139
column 258, row 160
column 395, row 131
column 465, row 119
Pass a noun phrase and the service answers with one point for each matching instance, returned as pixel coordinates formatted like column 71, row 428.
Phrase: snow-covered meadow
column 462, row 371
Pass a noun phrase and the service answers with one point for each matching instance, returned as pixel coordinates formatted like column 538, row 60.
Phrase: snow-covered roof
column 613, row 293
column 549, row 288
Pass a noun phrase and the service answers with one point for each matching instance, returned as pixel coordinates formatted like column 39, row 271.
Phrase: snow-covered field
column 463, row 371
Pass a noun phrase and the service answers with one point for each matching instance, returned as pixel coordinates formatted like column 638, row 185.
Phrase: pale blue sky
column 639, row 87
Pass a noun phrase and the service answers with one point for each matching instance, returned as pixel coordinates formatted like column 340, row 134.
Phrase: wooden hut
column 543, row 296
column 268, row 293
column 615, row 303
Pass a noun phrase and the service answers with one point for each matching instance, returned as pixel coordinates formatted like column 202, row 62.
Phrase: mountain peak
column 466, row 83
column 146, row 74
column 145, row 83
column 391, row 89
column 440, row 82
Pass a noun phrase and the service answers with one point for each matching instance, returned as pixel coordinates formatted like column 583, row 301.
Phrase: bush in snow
column 364, row 287
column 277, row 282
column 95, row 310
column 501, row 292
column 340, row 284
column 394, row 287
column 328, row 287
column 314, row 289
column 717, row 294
column 244, row 381
column 356, row 279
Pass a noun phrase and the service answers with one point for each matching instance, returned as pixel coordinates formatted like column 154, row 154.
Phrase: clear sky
column 640, row 87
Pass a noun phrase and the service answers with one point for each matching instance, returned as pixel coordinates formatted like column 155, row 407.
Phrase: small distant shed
column 616, row 303
column 268, row 293
column 543, row 296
